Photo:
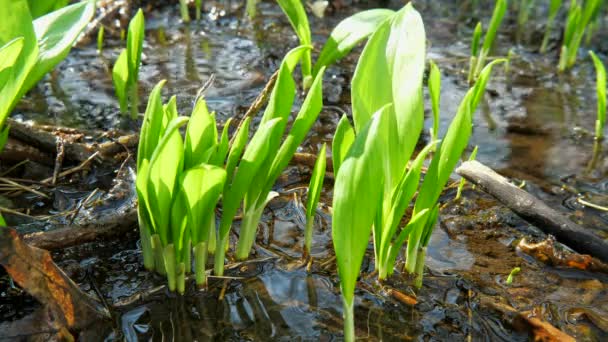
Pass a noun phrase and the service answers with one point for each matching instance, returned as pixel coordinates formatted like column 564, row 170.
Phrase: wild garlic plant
column 314, row 193
column 179, row 182
column 125, row 73
column 554, row 7
column 374, row 184
column 261, row 165
column 480, row 54
column 600, row 72
column 344, row 37
column 577, row 22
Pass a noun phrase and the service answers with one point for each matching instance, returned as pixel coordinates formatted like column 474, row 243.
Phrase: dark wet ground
column 534, row 127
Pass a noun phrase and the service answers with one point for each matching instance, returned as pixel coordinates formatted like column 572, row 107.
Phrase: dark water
column 534, row 126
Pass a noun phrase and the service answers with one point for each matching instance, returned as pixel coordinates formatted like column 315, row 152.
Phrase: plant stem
column 181, row 278
column 183, row 8
column 146, row 246
column 308, row 235
column 349, row 320
column 157, row 249
column 188, row 257
column 420, row 267
column 200, row 261
column 169, row 253
column 218, row 263
column 211, row 242
column 249, row 227
column 134, row 101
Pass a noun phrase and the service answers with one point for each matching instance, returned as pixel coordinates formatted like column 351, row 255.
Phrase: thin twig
column 74, row 169
column 58, row 159
column 23, row 187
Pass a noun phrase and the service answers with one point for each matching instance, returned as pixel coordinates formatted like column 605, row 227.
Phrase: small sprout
column 600, row 72
column 578, row 21
column 125, row 73
column 100, row 36
column 488, row 40
column 314, row 193
column 462, row 180
column 513, row 273
column 183, row 9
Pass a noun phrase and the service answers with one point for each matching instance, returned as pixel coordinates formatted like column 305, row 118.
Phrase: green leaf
column 135, row 40
column 343, row 139
column 179, row 224
column 237, row 148
column 311, row 107
column 201, row 187
column 56, row 33
column 316, row 183
column 435, row 92
column 151, row 129
column 9, row 53
column 499, row 12
column 476, row 39
column 396, row 52
column 165, row 167
column 222, row 147
column 357, row 193
column 254, row 156
column 39, row 8
column 600, row 71
column 299, row 21
column 201, row 135
column 348, row 33
column 120, row 77
column 16, row 22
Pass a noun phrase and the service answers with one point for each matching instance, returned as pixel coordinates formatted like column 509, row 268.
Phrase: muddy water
column 533, row 126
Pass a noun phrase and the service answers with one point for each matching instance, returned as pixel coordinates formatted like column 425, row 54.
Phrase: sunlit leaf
column 348, row 33
column 343, row 139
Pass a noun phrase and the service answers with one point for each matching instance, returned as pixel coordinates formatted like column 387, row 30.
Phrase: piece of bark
column 534, row 210
column 34, row 270
column 539, row 329
column 547, row 252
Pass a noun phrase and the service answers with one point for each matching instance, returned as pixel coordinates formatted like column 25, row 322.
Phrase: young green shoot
column 125, row 73
column 554, row 7
column 600, row 72
column 314, row 193
column 488, row 40
column 512, row 274
column 462, row 180
column 100, row 36
column 477, row 32
column 183, row 9
column 198, row 5
column 434, row 85
column 579, row 18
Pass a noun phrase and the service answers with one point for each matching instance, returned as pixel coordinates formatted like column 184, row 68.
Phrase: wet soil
column 533, row 126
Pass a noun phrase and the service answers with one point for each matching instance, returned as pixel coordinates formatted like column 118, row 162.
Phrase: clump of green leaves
column 262, row 165
column 600, row 72
column 179, row 182
column 479, row 55
column 125, row 73
column 579, row 18
column 345, row 36
column 374, row 183
column 314, row 193
column 554, row 7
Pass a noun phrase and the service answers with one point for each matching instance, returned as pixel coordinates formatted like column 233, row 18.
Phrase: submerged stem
column 200, row 261
column 249, row 227
column 146, row 246
column 170, row 261
column 157, row 249
column 420, row 267
column 308, row 235
column 349, row 320
column 218, row 263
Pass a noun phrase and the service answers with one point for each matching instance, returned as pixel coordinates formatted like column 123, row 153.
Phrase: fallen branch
column 534, row 210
